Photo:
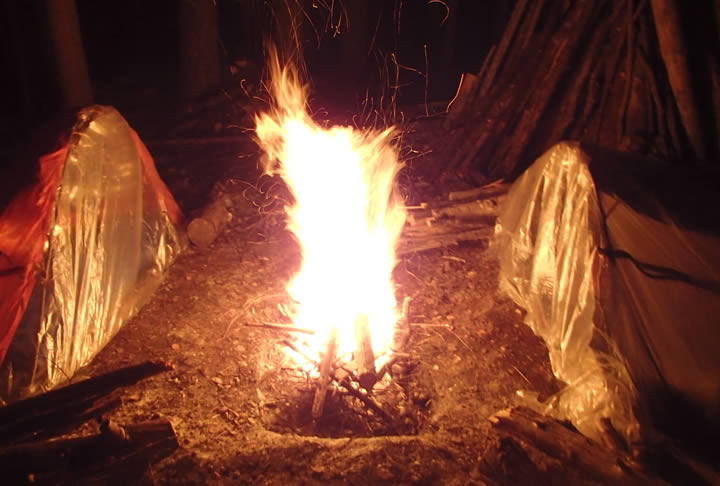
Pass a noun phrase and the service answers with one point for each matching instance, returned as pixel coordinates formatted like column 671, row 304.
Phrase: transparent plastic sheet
column 113, row 233
column 547, row 239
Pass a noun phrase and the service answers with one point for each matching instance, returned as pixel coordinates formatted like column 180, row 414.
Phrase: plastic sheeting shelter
column 617, row 263
column 81, row 249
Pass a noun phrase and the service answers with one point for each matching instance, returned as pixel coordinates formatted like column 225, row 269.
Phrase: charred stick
column 325, row 375
column 367, row 377
column 367, row 401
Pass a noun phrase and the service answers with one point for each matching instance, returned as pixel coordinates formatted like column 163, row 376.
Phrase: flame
column 347, row 216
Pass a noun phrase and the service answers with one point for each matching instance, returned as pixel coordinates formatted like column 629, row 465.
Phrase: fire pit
column 346, row 214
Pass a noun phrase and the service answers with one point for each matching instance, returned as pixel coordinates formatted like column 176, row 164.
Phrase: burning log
column 325, row 375
column 364, row 355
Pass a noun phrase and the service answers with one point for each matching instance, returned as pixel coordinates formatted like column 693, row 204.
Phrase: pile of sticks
column 588, row 70
column 464, row 217
column 35, row 448
column 357, row 375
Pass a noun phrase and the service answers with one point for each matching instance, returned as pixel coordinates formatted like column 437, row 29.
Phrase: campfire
column 347, row 217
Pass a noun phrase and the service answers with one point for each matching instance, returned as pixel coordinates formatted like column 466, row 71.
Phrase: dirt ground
column 241, row 412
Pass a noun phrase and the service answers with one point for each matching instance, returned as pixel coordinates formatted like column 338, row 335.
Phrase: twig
column 522, row 374
column 428, row 324
column 368, row 402
column 281, row 327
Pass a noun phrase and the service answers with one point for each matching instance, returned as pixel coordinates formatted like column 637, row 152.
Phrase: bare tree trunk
column 199, row 54
column 69, row 53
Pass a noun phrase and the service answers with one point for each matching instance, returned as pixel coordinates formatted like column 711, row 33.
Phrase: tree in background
column 199, row 53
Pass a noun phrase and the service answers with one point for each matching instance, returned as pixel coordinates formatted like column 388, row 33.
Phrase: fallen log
column 117, row 453
column 64, row 408
column 534, row 449
column 205, row 227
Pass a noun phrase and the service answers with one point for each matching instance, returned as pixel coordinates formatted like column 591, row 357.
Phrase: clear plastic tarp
column 622, row 287
column 112, row 233
column 548, row 237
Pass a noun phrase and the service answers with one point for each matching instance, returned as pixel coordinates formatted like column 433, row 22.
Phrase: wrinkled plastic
column 547, row 238
column 113, row 232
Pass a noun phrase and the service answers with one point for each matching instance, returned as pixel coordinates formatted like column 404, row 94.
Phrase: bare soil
column 241, row 413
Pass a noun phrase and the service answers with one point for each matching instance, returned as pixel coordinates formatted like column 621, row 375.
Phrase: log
column 115, row 452
column 534, row 449
column 204, row 228
column 63, row 408
column 364, row 355
column 281, row 327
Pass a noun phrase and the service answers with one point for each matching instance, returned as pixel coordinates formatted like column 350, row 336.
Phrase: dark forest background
column 135, row 46
column 640, row 76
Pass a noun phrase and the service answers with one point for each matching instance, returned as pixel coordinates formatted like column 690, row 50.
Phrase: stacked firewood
column 615, row 73
column 38, row 444
column 465, row 216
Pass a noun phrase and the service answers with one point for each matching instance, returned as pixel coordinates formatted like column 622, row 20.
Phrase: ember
column 347, row 219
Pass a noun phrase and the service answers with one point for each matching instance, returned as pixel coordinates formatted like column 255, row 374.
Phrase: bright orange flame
column 346, row 216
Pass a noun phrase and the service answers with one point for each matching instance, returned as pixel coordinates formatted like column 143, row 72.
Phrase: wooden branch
column 55, row 410
column 415, row 245
column 325, row 375
column 116, row 452
column 368, row 402
column 364, row 355
column 493, row 189
column 281, row 327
